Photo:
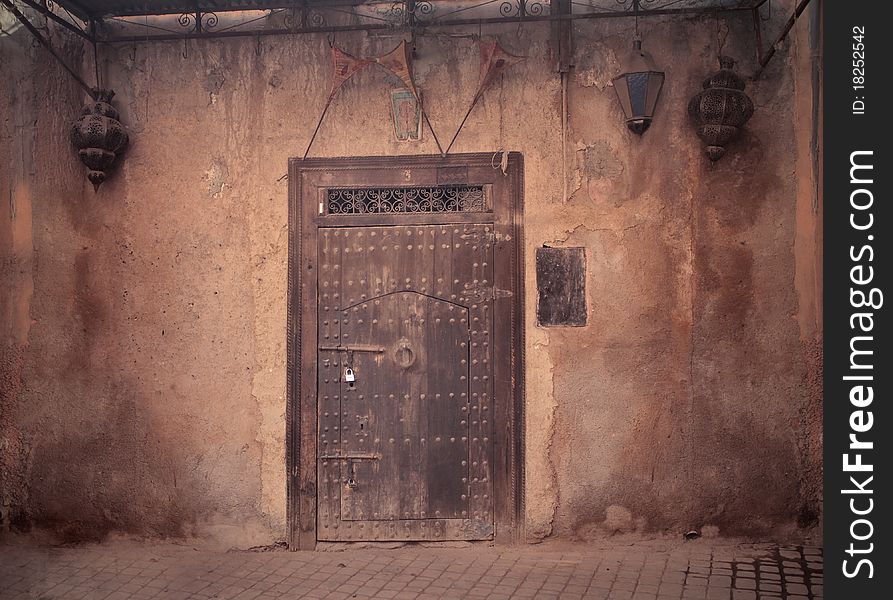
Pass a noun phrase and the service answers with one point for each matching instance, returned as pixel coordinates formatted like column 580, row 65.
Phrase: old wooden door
column 407, row 360
column 405, row 378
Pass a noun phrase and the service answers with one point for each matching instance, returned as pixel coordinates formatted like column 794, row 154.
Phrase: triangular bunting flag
column 494, row 60
column 345, row 66
column 397, row 61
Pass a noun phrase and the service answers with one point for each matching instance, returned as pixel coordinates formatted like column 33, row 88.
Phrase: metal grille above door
column 405, row 345
column 430, row 199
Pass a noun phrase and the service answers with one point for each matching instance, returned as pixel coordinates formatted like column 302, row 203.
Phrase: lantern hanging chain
column 148, row 68
column 46, row 44
column 97, row 73
column 564, row 124
column 722, row 33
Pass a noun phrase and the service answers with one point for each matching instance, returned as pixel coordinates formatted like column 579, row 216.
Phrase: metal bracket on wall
column 563, row 32
column 69, row 25
column 765, row 58
column 91, row 91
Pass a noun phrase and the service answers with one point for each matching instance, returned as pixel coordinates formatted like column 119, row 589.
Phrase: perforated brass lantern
column 720, row 109
column 638, row 88
column 99, row 136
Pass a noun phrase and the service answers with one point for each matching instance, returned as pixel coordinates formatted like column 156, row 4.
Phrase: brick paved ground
column 655, row 570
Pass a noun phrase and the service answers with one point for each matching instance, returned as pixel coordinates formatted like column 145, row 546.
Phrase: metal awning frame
column 92, row 28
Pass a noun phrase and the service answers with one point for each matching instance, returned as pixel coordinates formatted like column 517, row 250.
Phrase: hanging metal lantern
column 99, row 136
column 638, row 88
column 721, row 108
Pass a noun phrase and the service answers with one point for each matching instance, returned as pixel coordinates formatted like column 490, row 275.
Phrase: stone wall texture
column 142, row 328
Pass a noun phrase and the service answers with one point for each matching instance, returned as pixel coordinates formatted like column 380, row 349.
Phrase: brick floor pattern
column 628, row 571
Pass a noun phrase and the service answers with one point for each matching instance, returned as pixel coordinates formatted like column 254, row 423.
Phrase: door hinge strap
column 350, row 457
column 353, row 348
column 479, row 294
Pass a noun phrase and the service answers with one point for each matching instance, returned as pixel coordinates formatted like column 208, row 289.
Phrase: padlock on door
column 351, row 477
column 349, row 376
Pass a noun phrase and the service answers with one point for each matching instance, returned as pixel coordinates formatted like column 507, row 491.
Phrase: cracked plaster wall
column 144, row 378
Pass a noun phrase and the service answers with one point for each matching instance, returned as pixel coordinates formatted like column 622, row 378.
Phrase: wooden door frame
column 305, row 178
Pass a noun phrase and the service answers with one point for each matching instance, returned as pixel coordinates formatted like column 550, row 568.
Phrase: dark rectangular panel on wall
column 561, row 287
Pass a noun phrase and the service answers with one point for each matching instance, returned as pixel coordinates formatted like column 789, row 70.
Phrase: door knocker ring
column 403, row 354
